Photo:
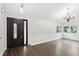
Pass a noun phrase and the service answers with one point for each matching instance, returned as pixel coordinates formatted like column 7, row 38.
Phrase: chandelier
column 69, row 17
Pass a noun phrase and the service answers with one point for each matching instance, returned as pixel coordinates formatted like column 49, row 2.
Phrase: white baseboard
column 1, row 54
column 42, row 42
column 70, row 39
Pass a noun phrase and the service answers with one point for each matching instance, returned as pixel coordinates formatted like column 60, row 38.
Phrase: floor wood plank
column 59, row 47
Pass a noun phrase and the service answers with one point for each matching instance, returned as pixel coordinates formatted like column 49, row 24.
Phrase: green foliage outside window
column 67, row 29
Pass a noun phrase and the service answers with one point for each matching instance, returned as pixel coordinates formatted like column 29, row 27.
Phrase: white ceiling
column 47, row 11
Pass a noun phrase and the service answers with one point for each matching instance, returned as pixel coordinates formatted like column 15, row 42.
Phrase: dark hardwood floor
column 59, row 47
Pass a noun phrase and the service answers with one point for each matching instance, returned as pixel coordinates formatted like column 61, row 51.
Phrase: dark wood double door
column 15, row 32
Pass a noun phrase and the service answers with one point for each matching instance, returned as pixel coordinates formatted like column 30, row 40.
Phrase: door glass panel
column 24, row 32
column 15, row 30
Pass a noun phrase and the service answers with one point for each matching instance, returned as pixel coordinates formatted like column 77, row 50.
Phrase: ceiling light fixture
column 2, row 10
column 68, row 17
column 21, row 8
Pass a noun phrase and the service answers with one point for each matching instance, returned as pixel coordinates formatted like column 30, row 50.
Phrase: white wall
column 2, row 32
column 41, row 31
